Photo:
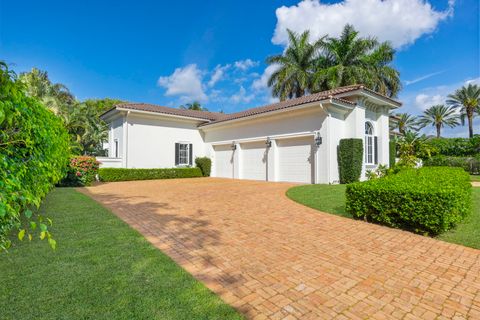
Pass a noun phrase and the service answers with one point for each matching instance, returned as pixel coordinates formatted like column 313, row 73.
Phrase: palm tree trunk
column 438, row 130
column 470, row 125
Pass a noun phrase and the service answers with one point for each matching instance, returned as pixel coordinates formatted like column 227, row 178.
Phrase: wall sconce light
column 268, row 143
column 318, row 139
column 233, row 146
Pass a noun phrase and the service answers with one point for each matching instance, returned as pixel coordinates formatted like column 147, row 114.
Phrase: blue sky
column 214, row 51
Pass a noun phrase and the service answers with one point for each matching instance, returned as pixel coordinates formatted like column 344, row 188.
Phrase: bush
column 350, row 160
column 392, row 153
column 469, row 164
column 34, row 152
column 205, row 164
column 459, row 147
column 81, row 171
column 123, row 174
column 428, row 200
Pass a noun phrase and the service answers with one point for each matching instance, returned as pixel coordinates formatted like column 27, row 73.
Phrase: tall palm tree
column 440, row 116
column 405, row 122
column 195, row 105
column 468, row 100
column 351, row 59
column 293, row 77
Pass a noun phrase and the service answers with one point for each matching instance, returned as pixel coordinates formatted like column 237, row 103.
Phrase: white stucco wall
column 151, row 140
column 116, row 133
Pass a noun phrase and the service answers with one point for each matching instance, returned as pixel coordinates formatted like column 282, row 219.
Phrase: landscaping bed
column 101, row 269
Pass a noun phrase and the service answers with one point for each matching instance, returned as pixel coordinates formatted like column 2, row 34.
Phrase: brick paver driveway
column 272, row 258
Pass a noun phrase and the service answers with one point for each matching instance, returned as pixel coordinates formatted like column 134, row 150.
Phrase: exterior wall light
column 233, row 146
column 318, row 139
column 268, row 143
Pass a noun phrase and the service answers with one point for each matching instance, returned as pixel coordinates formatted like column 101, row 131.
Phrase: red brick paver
column 272, row 258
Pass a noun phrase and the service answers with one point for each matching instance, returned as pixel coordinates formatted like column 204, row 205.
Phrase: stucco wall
column 116, row 133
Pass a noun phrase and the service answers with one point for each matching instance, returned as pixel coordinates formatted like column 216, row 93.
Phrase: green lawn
column 102, row 269
column 475, row 177
column 331, row 199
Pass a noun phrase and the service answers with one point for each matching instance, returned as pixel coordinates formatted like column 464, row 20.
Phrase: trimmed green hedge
column 457, row 147
column 205, row 164
column 350, row 160
column 469, row 164
column 123, row 174
column 428, row 200
column 392, row 154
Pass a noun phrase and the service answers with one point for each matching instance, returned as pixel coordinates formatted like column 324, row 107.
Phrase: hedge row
column 459, row 147
column 350, row 160
column 469, row 164
column 123, row 174
column 428, row 200
column 205, row 164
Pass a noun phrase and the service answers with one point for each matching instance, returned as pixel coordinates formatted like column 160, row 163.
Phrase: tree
column 439, row 116
column 195, row 105
column 296, row 66
column 467, row 99
column 405, row 122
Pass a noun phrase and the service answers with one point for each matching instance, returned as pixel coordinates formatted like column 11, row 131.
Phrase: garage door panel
column 254, row 161
column 223, row 161
column 295, row 160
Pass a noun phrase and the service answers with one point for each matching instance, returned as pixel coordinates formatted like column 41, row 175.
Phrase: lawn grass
column 474, row 177
column 102, row 269
column 331, row 199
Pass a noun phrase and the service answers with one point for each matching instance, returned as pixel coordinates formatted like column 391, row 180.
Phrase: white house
column 294, row 140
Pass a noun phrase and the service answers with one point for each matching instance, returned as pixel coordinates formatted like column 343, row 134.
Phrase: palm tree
column 405, row 122
column 439, row 116
column 195, row 105
column 468, row 100
column 293, row 77
column 349, row 60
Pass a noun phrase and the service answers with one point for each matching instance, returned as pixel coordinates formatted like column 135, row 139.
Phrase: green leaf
column 28, row 213
column 29, row 237
column 52, row 243
column 42, row 235
column 21, row 234
column 50, row 221
column 43, row 227
column 33, row 225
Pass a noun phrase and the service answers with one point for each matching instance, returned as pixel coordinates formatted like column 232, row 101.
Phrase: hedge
column 392, row 153
column 205, row 164
column 459, row 147
column 469, row 164
column 34, row 152
column 350, row 160
column 428, row 200
column 124, row 174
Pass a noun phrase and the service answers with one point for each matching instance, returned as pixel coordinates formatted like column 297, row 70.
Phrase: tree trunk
column 470, row 125
column 438, row 130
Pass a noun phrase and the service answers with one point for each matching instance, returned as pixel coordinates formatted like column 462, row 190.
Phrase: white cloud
column 242, row 96
column 218, row 74
column 399, row 21
column 262, row 82
column 425, row 101
column 184, row 82
column 246, row 64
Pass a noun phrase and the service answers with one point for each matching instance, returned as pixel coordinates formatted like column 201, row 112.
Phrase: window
column 116, row 147
column 183, row 154
column 369, row 144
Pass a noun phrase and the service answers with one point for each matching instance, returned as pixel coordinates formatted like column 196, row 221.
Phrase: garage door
column 254, row 161
column 223, row 161
column 295, row 160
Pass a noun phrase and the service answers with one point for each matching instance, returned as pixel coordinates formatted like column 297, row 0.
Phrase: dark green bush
column 469, row 164
column 428, row 200
column 34, row 152
column 205, row 164
column 459, row 147
column 123, row 174
column 350, row 160
column 392, row 153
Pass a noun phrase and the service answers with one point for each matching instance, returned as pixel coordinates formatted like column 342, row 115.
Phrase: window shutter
column 375, row 148
column 190, row 149
column 177, row 149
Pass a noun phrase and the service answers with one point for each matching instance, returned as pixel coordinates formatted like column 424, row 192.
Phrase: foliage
column 381, row 171
column 327, row 63
column 102, row 105
column 205, row 164
column 411, row 148
column 428, row 200
column 392, row 153
column 350, row 160
column 404, row 122
column 81, row 171
column 469, row 164
column 124, row 174
column 455, row 146
column 193, row 106
column 33, row 156
column 467, row 99
column 101, row 270
column 439, row 116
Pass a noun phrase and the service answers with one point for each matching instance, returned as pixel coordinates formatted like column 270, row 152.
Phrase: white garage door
column 254, row 161
column 223, row 161
column 295, row 160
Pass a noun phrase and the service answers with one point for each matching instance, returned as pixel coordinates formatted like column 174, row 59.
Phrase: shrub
column 469, row 164
column 205, row 164
column 34, row 152
column 428, row 200
column 392, row 153
column 81, row 171
column 124, row 174
column 350, row 160
column 459, row 147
